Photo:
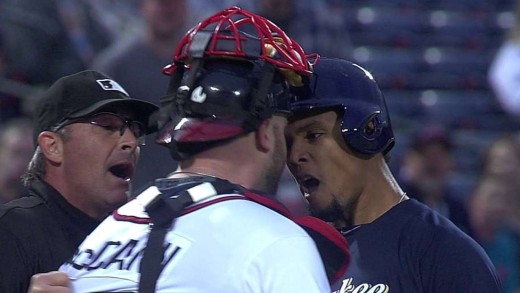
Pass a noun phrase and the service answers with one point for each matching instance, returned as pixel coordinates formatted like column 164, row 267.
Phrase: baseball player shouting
column 338, row 141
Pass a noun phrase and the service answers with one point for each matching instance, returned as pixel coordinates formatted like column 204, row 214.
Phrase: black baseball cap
column 84, row 93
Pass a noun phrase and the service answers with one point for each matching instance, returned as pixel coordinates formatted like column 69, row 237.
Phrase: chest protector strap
column 176, row 195
column 180, row 193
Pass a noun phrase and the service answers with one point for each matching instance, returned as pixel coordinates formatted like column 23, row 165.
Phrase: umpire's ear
column 51, row 146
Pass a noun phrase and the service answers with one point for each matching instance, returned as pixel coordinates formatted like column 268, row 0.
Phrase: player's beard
column 335, row 212
column 275, row 168
column 331, row 213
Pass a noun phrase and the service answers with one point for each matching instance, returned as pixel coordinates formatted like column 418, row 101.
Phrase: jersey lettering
column 117, row 255
column 348, row 287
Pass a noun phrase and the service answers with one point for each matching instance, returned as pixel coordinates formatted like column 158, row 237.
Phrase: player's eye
column 312, row 136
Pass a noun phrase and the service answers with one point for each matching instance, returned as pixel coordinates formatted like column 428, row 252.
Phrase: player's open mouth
column 309, row 184
column 123, row 170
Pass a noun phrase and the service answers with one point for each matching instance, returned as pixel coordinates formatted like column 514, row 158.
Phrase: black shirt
column 37, row 234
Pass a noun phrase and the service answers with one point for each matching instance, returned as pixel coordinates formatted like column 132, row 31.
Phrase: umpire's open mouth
column 122, row 170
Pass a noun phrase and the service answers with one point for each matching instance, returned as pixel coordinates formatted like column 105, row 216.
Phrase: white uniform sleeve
column 291, row 264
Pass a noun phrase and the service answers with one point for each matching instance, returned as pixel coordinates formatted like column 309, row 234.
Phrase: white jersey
column 227, row 246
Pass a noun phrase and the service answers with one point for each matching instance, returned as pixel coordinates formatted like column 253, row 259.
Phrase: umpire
column 87, row 136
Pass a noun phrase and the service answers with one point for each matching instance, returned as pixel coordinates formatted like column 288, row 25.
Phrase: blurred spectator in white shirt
column 504, row 72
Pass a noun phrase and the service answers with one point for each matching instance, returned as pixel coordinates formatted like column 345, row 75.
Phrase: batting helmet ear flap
column 365, row 139
column 370, row 138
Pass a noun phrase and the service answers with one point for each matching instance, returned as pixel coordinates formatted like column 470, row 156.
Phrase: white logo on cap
column 198, row 96
column 110, row 85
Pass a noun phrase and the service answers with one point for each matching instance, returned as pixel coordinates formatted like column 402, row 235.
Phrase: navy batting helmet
column 229, row 73
column 341, row 84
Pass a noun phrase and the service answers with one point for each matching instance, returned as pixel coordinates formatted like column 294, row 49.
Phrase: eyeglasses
column 111, row 122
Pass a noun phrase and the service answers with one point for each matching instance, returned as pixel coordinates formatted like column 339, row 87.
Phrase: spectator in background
column 136, row 64
column 47, row 39
column 426, row 171
column 16, row 149
column 502, row 159
column 490, row 207
column 504, row 72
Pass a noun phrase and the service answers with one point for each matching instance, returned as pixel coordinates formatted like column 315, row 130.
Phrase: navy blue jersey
column 413, row 249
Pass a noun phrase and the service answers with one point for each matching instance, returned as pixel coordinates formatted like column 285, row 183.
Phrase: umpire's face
column 94, row 159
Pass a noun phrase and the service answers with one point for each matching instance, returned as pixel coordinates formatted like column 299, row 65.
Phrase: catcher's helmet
column 341, row 84
column 229, row 73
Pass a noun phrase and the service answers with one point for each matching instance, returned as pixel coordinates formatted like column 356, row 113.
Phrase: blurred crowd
column 131, row 40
